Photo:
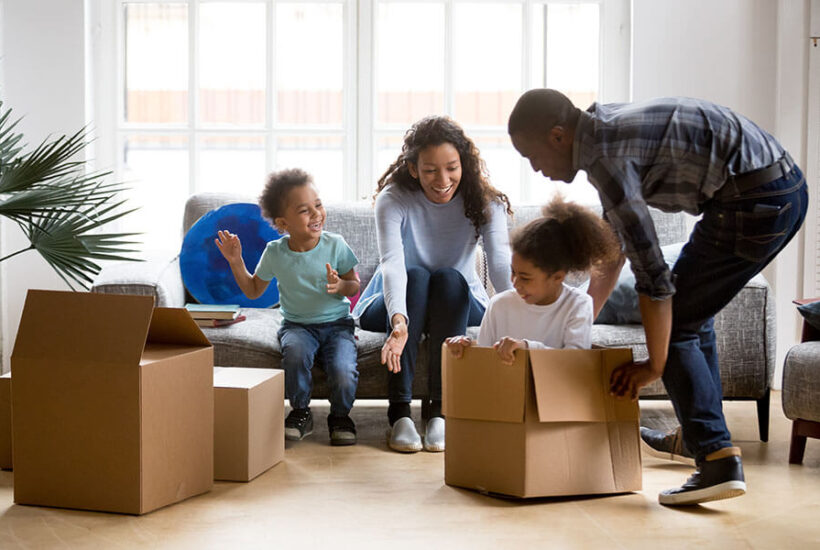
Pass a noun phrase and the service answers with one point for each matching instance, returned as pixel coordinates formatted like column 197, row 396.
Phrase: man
column 686, row 155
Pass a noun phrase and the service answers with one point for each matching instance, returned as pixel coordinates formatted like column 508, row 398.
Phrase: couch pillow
column 811, row 313
column 622, row 306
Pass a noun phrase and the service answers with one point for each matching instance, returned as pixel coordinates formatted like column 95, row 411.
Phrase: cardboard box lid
column 479, row 387
column 243, row 378
column 73, row 326
column 573, row 385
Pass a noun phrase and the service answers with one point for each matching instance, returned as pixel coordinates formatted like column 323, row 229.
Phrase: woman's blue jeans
column 735, row 240
column 336, row 347
column 439, row 304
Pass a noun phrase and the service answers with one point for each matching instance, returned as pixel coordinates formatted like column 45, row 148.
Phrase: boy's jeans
column 337, row 350
column 733, row 242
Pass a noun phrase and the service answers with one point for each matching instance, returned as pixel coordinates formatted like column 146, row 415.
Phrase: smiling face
column 303, row 218
column 550, row 154
column 438, row 171
column 533, row 284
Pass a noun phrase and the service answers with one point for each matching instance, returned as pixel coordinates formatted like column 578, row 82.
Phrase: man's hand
column 506, row 349
column 394, row 346
column 457, row 344
column 332, row 280
column 627, row 380
column 229, row 245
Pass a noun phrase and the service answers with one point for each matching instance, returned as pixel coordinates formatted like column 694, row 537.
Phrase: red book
column 219, row 322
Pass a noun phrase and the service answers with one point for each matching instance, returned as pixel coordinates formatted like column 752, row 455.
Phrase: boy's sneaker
column 298, row 424
column 342, row 430
column 715, row 479
column 667, row 445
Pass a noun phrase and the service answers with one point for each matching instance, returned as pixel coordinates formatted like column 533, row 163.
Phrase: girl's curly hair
column 475, row 184
column 569, row 237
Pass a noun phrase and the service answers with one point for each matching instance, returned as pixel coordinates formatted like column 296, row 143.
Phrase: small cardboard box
column 544, row 426
column 113, row 403
column 5, row 421
column 249, row 422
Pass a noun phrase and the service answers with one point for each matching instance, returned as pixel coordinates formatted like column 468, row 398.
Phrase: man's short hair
column 540, row 110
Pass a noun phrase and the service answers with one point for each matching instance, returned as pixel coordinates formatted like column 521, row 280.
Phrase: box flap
column 479, row 387
column 573, row 385
column 71, row 326
column 175, row 326
column 242, row 378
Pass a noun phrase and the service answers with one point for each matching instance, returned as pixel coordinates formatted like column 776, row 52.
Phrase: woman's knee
column 450, row 283
column 418, row 277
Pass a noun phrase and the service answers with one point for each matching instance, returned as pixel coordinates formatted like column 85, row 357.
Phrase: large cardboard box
column 249, row 422
column 5, row 421
column 113, row 403
column 544, row 426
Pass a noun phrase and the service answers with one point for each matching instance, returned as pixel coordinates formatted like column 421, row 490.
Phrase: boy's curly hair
column 475, row 184
column 273, row 199
column 569, row 237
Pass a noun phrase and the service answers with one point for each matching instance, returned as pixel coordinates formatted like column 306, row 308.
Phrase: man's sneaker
column 715, row 479
column 665, row 445
column 298, row 424
column 342, row 430
column 403, row 436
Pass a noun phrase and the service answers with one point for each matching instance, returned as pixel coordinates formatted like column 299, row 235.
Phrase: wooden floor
column 366, row 496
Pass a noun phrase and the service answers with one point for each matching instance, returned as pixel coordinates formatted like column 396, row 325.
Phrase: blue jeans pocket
column 761, row 232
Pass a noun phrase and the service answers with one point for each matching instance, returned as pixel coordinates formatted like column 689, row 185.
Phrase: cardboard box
column 249, row 422
column 113, row 403
column 545, row 426
column 5, row 421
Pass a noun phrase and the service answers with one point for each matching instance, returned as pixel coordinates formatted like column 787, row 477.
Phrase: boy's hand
column 332, row 280
column 456, row 345
column 506, row 349
column 229, row 245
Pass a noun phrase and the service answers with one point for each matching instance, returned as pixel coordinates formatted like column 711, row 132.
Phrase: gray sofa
column 745, row 328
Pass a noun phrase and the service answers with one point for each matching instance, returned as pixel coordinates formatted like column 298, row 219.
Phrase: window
column 207, row 95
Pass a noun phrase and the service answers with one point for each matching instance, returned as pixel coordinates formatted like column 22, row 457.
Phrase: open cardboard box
column 112, row 403
column 544, row 426
column 5, row 421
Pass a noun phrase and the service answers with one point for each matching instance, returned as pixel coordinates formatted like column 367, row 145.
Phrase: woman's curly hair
column 569, row 237
column 475, row 184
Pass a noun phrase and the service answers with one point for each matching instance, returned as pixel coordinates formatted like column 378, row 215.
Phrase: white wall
column 44, row 73
column 749, row 55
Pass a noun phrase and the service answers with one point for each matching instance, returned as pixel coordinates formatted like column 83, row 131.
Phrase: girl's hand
column 506, row 349
column 229, row 245
column 456, row 345
column 394, row 346
column 332, row 280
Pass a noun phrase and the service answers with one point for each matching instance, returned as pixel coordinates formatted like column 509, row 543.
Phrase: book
column 212, row 323
column 213, row 311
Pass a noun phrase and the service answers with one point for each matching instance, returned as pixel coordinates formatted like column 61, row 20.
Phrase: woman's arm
column 496, row 239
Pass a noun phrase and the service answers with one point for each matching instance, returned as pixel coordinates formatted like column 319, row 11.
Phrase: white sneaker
column 434, row 435
column 403, row 436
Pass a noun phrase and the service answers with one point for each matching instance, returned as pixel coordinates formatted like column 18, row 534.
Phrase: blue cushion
column 622, row 306
column 205, row 272
column 811, row 313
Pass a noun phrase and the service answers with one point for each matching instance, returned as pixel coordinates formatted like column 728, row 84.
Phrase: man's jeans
column 439, row 303
column 336, row 347
column 735, row 240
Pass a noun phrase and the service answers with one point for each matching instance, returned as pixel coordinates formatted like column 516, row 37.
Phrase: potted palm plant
column 59, row 205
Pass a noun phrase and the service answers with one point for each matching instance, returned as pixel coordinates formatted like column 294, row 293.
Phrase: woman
column 432, row 205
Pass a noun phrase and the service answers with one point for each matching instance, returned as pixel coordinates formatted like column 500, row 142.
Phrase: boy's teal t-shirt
column 302, row 278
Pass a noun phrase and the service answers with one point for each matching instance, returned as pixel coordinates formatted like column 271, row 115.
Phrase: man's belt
column 737, row 185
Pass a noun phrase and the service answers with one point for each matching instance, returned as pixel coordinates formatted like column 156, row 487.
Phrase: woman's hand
column 627, row 380
column 394, row 346
column 229, row 245
column 506, row 349
column 457, row 344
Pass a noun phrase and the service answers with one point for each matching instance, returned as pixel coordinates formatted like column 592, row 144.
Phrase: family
column 434, row 203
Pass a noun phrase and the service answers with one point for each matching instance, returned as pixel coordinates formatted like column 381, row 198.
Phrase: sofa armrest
column 160, row 278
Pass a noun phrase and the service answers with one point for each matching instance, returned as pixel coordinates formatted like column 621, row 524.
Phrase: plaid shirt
column 672, row 154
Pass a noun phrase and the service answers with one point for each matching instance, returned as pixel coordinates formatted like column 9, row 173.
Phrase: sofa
column 745, row 328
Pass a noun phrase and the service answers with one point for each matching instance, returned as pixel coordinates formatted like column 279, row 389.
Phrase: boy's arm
column 345, row 285
column 231, row 248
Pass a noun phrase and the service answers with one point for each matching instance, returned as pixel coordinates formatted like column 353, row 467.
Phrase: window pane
column 409, row 61
column 232, row 164
column 572, row 51
column 320, row 156
column 388, row 149
column 580, row 190
column 156, row 169
column 232, row 92
column 310, row 63
column 486, row 62
column 156, row 63
column 503, row 164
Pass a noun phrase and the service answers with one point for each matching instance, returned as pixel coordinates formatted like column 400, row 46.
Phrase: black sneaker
column 298, row 424
column 342, row 430
column 667, row 445
column 713, row 480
